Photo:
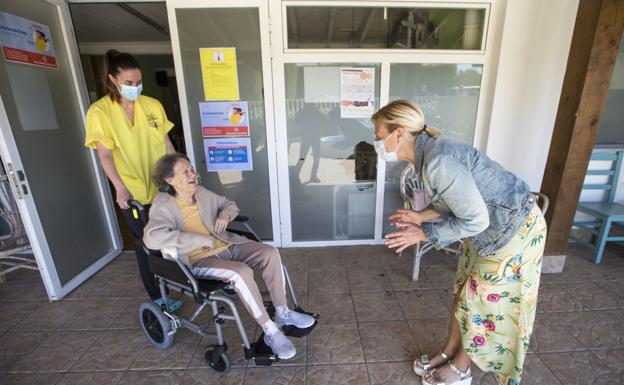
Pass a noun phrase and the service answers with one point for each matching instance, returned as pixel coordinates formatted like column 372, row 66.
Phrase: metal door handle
column 15, row 182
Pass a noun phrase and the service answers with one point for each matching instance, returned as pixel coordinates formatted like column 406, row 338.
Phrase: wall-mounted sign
column 224, row 119
column 219, row 73
column 26, row 41
column 228, row 154
column 357, row 92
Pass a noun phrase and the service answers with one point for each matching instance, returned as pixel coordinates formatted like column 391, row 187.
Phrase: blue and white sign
column 228, row 154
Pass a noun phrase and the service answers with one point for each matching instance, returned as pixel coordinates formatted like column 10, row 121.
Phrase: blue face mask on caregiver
column 131, row 92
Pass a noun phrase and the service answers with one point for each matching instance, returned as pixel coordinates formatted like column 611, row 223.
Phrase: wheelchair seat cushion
column 172, row 272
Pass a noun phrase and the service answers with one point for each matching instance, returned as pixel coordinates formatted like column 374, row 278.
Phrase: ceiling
column 120, row 22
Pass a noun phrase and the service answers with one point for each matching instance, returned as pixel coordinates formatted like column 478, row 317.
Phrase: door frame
column 281, row 55
column 26, row 204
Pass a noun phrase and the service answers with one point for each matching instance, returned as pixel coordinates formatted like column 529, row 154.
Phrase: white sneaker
column 296, row 319
column 281, row 345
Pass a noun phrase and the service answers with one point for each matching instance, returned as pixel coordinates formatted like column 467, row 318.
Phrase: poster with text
column 219, row 73
column 224, row 119
column 228, row 154
column 357, row 92
column 26, row 41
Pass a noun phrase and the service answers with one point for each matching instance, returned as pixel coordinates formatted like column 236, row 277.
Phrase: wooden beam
column 593, row 51
column 366, row 26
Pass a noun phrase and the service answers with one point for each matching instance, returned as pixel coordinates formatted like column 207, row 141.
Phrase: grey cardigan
column 165, row 227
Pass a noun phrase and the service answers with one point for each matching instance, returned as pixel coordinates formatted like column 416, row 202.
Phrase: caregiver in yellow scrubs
column 129, row 132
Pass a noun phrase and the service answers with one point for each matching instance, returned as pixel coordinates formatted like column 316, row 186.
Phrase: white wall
column 533, row 57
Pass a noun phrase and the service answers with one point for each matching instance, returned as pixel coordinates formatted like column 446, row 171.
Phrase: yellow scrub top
column 194, row 224
column 136, row 148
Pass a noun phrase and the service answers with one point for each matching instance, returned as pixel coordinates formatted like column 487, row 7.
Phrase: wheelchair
column 159, row 324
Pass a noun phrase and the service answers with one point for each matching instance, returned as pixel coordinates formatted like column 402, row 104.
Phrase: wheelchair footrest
column 292, row 331
column 261, row 353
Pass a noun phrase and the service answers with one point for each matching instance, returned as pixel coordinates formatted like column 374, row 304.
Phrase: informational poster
column 25, row 41
column 228, row 154
column 224, row 119
column 357, row 92
column 219, row 73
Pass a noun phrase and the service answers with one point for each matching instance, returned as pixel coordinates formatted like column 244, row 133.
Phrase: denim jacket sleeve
column 452, row 183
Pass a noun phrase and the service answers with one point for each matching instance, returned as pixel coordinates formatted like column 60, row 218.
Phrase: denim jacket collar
column 419, row 152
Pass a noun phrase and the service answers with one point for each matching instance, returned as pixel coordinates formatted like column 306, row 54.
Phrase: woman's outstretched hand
column 407, row 236
column 406, row 216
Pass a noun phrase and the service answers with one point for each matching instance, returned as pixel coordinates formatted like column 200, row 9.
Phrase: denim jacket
column 476, row 197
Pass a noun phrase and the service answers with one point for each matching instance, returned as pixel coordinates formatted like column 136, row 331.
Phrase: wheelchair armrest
column 171, row 253
column 241, row 219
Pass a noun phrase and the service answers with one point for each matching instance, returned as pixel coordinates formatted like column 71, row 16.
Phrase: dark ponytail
column 114, row 63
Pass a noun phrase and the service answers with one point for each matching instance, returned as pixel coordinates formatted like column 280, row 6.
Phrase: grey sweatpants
column 235, row 265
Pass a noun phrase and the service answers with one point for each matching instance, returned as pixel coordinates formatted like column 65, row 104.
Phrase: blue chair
column 605, row 212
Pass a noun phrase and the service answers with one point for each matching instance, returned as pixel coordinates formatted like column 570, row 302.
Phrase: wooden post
column 593, row 51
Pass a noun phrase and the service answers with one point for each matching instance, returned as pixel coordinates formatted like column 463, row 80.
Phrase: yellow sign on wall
column 219, row 73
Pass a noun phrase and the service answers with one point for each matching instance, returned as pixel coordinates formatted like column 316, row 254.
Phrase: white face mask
column 388, row 156
column 131, row 92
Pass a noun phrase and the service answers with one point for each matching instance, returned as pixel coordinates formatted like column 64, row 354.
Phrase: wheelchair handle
column 241, row 219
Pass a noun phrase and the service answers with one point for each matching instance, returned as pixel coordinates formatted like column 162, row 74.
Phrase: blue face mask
column 130, row 92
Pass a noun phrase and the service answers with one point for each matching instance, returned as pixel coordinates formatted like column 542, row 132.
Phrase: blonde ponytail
column 406, row 114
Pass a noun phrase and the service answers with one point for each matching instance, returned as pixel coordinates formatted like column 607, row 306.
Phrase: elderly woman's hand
column 404, row 238
column 221, row 223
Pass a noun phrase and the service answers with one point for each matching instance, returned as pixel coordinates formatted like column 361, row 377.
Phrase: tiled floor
column 374, row 321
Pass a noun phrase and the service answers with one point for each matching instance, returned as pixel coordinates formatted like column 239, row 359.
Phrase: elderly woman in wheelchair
column 193, row 221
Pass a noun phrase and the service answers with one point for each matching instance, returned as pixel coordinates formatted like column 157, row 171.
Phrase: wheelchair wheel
column 156, row 326
column 218, row 359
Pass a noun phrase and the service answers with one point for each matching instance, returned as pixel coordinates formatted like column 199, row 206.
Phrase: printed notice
column 219, row 73
column 228, row 154
column 224, row 119
column 357, row 92
column 25, row 41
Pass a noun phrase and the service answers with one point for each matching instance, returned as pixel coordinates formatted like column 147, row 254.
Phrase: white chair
column 409, row 203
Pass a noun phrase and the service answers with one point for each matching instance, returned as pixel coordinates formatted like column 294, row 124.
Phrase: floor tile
column 392, row 373
column 536, row 372
column 335, row 344
column 176, row 356
column 73, row 315
column 57, row 352
column 149, row 377
column 578, row 368
column 91, row 378
column 555, row 298
column 13, row 312
column 430, row 335
column 114, row 350
column 419, row 304
column 323, row 259
column 377, row 306
column 284, row 375
column 551, row 335
column 211, row 377
column 591, row 296
column 328, row 282
column 337, row 374
column 373, row 279
column 29, row 378
column 337, row 308
column 15, row 346
column 591, row 330
column 387, row 341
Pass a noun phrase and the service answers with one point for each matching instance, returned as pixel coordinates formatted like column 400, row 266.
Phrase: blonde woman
column 503, row 233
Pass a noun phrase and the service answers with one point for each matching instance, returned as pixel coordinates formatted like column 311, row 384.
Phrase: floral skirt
column 498, row 298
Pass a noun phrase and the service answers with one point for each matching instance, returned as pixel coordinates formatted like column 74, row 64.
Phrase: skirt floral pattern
column 498, row 298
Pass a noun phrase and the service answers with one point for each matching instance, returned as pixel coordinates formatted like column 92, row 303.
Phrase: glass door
column 238, row 164
column 61, row 192
column 332, row 164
